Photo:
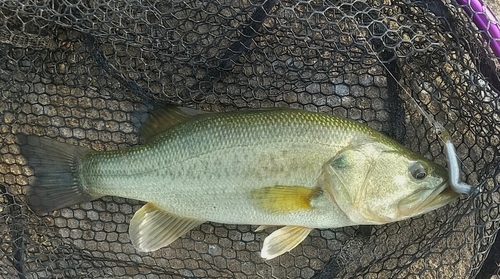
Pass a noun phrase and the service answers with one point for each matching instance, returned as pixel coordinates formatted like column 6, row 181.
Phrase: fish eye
column 418, row 171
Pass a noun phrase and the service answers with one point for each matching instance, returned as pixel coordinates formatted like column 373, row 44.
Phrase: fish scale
column 225, row 156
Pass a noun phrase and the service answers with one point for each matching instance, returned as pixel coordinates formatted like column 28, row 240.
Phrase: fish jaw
column 438, row 198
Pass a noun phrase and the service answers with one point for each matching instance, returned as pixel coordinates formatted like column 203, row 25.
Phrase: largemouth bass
column 282, row 167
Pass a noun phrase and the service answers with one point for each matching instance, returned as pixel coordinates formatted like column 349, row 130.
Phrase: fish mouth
column 443, row 195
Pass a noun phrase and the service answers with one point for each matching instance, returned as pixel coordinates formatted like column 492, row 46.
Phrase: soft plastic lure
column 453, row 165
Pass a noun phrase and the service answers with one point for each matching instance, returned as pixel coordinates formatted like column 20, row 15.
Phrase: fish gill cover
column 82, row 71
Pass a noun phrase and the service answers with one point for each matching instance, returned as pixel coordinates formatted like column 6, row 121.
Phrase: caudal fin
column 55, row 164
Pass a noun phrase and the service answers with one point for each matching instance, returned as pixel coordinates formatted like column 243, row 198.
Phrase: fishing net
column 84, row 71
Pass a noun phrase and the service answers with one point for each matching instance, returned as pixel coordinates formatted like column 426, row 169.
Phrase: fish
column 287, row 168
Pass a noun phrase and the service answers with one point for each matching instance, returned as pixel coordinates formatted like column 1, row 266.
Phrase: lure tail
column 56, row 167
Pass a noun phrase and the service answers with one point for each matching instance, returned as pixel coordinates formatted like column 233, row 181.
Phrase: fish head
column 376, row 183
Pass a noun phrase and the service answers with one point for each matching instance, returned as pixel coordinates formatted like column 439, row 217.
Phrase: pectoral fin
column 152, row 228
column 283, row 199
column 283, row 240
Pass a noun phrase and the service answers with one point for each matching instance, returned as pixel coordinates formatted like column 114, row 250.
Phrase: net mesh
column 79, row 71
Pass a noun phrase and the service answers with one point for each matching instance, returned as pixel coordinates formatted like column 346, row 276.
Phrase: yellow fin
column 161, row 119
column 152, row 228
column 283, row 199
column 283, row 240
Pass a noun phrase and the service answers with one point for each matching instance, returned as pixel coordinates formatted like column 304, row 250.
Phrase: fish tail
column 56, row 167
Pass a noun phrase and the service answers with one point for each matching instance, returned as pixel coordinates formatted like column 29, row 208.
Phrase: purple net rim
column 485, row 20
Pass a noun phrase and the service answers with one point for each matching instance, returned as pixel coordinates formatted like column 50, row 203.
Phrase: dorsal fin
column 162, row 118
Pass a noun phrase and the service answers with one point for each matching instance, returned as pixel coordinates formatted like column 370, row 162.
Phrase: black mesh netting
column 80, row 70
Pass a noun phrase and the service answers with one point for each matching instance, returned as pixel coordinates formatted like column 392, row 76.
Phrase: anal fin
column 152, row 228
column 283, row 240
